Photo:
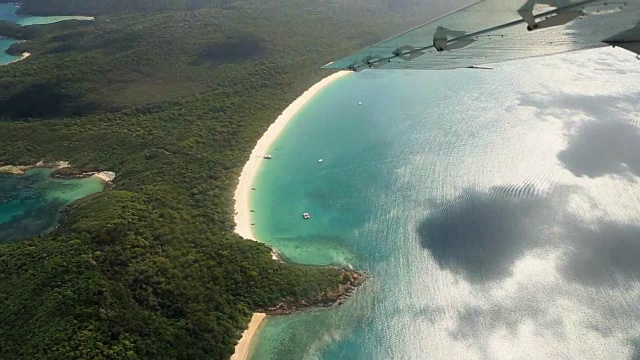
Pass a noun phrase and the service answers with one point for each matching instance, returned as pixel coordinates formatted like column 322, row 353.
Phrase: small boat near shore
column 268, row 157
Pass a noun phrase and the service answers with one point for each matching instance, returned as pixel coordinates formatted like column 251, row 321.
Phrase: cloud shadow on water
column 603, row 254
column 600, row 148
column 607, row 142
column 480, row 235
column 635, row 345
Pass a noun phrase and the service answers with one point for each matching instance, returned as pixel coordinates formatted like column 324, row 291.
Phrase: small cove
column 30, row 204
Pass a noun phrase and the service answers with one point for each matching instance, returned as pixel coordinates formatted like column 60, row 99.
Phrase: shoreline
column 22, row 169
column 242, row 208
column 22, row 57
column 26, row 54
column 19, row 170
column 242, row 348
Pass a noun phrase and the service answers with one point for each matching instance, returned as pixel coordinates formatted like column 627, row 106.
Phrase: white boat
column 359, row 102
column 267, row 156
column 306, row 216
column 320, row 160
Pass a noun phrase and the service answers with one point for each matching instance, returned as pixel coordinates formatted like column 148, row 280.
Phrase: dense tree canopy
column 173, row 101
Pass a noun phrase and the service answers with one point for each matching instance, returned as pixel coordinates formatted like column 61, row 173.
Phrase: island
column 171, row 97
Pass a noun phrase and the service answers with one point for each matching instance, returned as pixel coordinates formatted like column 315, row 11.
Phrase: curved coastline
column 242, row 194
column 43, row 201
column 22, row 57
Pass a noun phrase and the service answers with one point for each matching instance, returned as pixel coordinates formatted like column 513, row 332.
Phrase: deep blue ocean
column 497, row 211
column 30, row 204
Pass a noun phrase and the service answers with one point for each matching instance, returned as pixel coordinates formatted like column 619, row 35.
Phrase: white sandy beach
column 106, row 176
column 243, row 191
column 242, row 348
column 250, row 169
column 22, row 57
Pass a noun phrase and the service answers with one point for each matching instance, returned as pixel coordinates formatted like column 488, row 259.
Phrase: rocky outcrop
column 106, row 176
column 21, row 169
column 352, row 280
column 62, row 170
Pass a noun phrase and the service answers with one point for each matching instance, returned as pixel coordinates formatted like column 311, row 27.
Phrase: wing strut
column 557, row 19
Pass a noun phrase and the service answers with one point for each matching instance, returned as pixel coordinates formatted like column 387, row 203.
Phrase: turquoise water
column 8, row 13
column 30, row 204
column 4, row 45
column 497, row 212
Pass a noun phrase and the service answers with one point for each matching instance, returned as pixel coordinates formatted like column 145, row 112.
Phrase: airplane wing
column 491, row 31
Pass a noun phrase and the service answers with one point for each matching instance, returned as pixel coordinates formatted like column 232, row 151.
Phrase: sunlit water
column 496, row 210
column 8, row 13
column 30, row 204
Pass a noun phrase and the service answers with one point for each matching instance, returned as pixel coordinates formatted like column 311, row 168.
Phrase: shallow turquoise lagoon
column 30, row 204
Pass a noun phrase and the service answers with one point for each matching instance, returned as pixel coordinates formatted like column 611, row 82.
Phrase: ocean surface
column 497, row 211
column 30, row 204
column 8, row 13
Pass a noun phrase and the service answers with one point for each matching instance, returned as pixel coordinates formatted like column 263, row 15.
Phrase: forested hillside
column 173, row 101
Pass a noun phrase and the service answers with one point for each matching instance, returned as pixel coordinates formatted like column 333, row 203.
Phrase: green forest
column 172, row 95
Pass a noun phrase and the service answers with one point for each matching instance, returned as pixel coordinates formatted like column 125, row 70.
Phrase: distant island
column 171, row 96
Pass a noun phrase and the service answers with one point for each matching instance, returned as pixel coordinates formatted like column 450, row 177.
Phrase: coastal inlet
column 31, row 199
